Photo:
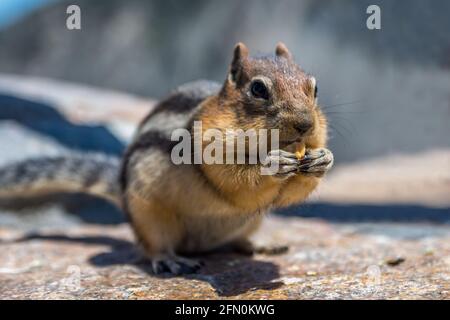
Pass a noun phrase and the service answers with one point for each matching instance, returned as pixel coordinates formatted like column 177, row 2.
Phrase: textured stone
column 325, row 261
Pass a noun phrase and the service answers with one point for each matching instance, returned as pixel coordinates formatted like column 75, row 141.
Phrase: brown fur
column 192, row 208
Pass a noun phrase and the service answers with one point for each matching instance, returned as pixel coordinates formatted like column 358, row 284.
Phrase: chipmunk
column 177, row 210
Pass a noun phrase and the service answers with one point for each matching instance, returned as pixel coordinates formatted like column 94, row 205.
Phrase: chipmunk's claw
column 316, row 162
column 175, row 265
column 281, row 164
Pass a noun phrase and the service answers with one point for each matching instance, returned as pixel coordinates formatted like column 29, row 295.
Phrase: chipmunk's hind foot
column 175, row 265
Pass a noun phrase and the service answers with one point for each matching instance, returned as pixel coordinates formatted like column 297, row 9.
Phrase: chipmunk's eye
column 315, row 92
column 259, row 90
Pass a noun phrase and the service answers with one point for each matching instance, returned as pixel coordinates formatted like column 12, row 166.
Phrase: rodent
column 182, row 209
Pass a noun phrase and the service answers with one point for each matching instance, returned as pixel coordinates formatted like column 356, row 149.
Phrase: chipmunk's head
column 272, row 92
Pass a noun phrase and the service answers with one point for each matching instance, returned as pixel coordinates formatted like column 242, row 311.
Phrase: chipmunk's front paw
column 281, row 164
column 174, row 264
column 316, row 162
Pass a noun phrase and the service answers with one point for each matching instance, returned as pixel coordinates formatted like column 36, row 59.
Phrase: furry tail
column 91, row 173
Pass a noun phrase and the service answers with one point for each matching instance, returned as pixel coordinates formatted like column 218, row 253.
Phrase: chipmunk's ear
column 282, row 51
column 240, row 54
column 311, row 87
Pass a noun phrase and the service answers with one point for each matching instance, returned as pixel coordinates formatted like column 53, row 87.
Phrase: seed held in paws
column 300, row 150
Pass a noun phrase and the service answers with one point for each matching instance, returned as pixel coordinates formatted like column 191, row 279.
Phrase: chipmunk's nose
column 304, row 124
column 303, row 128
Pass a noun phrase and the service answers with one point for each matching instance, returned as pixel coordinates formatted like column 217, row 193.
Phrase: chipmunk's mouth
column 286, row 143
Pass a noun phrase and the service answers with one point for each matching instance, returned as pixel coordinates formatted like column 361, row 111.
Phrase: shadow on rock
column 46, row 120
column 369, row 212
column 228, row 273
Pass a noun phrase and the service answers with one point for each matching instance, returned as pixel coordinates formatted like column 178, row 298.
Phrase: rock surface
column 325, row 261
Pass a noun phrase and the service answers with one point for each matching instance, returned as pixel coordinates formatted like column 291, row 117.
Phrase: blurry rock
column 84, row 105
column 394, row 261
column 40, row 117
column 419, row 178
column 18, row 142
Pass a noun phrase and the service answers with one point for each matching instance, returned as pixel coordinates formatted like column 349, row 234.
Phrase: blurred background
column 386, row 92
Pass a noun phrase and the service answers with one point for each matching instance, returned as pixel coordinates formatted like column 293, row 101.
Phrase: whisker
column 344, row 112
column 346, row 130
column 325, row 107
column 335, row 129
column 336, row 119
